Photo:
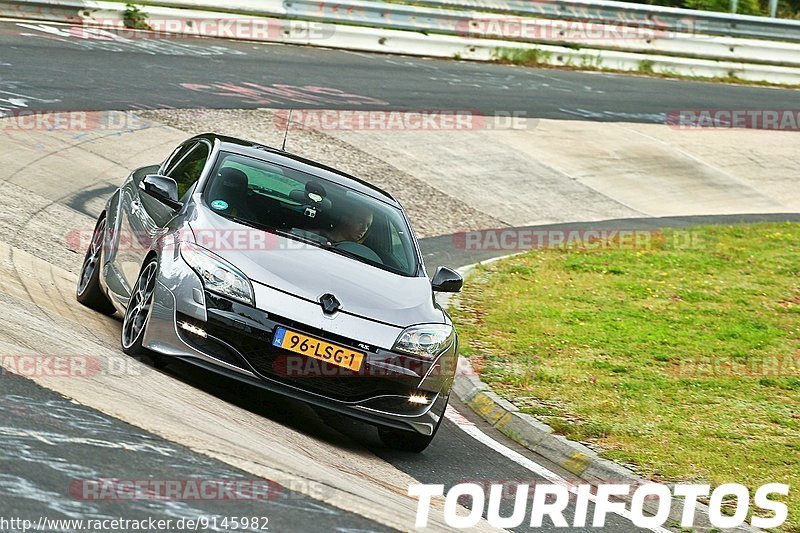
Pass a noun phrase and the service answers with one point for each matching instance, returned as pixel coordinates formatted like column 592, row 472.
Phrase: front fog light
column 427, row 340
column 191, row 328
column 419, row 399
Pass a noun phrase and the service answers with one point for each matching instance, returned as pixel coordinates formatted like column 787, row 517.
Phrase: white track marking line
column 34, row 21
column 473, row 431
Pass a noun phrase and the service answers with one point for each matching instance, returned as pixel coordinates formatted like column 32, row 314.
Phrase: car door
column 145, row 217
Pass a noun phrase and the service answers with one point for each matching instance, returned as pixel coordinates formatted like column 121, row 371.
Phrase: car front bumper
column 235, row 340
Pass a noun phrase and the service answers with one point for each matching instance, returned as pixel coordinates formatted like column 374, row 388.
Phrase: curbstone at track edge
column 538, row 437
column 467, row 384
column 535, row 435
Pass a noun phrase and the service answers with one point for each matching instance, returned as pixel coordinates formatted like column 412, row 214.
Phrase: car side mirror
column 162, row 188
column 447, row 280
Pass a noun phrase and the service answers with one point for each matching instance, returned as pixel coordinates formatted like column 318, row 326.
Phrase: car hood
column 308, row 272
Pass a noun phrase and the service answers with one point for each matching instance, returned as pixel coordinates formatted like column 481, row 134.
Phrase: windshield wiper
column 272, row 229
column 348, row 253
column 258, row 225
column 252, row 224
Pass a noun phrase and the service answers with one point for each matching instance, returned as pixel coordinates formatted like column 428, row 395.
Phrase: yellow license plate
column 311, row 347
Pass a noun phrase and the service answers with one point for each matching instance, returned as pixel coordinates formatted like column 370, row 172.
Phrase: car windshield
column 311, row 209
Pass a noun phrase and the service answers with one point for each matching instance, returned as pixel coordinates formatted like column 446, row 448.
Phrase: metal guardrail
column 655, row 36
column 625, row 13
column 646, row 38
column 450, row 15
column 672, row 31
column 384, row 27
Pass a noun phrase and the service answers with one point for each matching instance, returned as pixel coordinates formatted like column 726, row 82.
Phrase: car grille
column 255, row 347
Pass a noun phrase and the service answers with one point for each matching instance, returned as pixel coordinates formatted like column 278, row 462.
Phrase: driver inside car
column 352, row 227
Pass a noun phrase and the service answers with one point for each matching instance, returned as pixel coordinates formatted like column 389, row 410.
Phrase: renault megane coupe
column 280, row 272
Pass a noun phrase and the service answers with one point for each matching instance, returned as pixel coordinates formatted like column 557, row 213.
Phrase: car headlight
column 427, row 340
column 217, row 274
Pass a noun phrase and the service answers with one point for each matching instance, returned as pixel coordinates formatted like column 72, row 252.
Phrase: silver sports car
column 280, row 272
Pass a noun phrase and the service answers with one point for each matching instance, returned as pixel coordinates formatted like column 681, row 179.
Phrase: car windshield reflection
column 304, row 207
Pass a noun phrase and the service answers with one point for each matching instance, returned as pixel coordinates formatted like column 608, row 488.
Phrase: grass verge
column 683, row 361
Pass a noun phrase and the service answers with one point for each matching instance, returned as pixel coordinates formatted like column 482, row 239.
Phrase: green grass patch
column 646, row 66
column 522, row 56
column 135, row 18
column 681, row 360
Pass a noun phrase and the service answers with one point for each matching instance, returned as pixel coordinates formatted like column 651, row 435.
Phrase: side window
column 175, row 157
column 188, row 169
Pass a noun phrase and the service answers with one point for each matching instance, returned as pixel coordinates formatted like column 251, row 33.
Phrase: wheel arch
column 112, row 213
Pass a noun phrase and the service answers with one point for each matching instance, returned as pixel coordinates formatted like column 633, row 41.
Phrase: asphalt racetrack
column 331, row 472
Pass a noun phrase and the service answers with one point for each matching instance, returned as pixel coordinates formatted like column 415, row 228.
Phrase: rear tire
column 89, row 292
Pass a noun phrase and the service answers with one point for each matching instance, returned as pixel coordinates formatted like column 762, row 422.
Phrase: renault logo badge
column 329, row 303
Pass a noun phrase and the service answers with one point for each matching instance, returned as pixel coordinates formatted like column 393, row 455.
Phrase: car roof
column 283, row 158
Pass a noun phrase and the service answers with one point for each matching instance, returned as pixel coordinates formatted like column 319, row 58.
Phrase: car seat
column 231, row 187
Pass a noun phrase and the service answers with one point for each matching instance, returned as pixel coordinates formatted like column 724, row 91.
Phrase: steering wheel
column 360, row 250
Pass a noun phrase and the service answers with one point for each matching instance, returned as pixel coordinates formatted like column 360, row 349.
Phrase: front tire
column 89, row 292
column 134, row 322
column 407, row 441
